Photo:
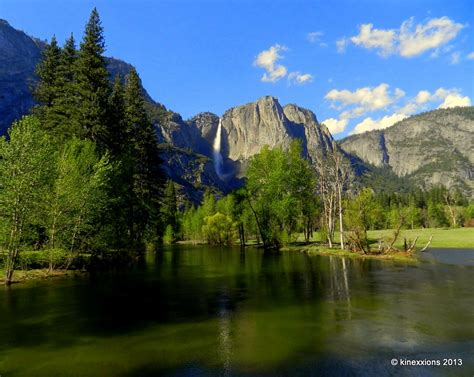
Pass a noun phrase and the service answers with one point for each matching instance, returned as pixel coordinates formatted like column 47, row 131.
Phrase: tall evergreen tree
column 147, row 177
column 117, row 137
column 92, row 82
column 47, row 72
column 63, row 116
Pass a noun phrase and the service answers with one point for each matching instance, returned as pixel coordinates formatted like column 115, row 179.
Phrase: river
column 204, row 311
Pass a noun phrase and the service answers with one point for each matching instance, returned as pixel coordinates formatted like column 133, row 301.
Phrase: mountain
column 431, row 148
column 245, row 129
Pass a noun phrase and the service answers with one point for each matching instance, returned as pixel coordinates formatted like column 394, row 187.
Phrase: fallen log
column 428, row 244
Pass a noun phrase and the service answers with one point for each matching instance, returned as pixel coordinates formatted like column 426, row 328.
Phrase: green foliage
column 117, row 138
column 93, row 82
column 359, row 216
column 78, row 193
column 169, row 236
column 437, row 216
column 43, row 258
column 142, row 164
column 280, row 185
column 169, row 207
column 25, row 175
column 219, row 229
column 47, row 71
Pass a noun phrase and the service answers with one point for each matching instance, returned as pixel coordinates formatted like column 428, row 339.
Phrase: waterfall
column 216, row 147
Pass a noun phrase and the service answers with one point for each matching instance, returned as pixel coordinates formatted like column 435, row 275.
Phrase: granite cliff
column 435, row 147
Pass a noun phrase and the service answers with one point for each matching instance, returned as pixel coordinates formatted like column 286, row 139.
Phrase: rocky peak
column 207, row 124
column 247, row 128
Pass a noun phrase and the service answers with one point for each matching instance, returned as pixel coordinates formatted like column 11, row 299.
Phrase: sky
column 358, row 65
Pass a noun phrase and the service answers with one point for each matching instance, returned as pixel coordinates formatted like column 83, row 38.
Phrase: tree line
column 82, row 172
column 286, row 197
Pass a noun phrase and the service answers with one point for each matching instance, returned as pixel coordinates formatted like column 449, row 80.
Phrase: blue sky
column 358, row 65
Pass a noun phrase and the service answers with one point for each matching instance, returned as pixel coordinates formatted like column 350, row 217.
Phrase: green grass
column 36, row 274
column 456, row 238
column 442, row 237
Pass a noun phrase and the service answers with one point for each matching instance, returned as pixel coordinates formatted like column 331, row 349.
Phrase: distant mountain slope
column 435, row 147
column 19, row 55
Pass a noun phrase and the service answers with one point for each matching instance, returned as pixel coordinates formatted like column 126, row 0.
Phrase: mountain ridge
column 187, row 145
column 430, row 148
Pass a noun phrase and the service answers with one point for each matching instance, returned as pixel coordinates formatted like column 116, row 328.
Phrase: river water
column 202, row 311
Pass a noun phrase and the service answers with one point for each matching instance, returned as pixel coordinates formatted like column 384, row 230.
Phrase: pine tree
column 147, row 177
column 92, row 82
column 169, row 206
column 63, row 115
column 116, row 142
column 47, row 72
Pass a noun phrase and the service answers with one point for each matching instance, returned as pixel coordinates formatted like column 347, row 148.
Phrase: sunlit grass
column 442, row 237
column 455, row 238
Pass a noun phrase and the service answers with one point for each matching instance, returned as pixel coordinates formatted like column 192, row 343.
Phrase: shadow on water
column 199, row 311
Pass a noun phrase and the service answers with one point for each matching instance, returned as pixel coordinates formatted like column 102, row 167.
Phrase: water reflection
column 213, row 311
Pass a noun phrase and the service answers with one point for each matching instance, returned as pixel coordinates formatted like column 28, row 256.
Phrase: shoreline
column 325, row 251
column 21, row 276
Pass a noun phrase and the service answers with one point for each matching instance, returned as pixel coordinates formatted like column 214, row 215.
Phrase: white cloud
column 375, row 39
column 363, row 100
column 470, row 56
column 399, row 93
column 336, row 126
column 267, row 60
column 314, row 36
column 455, row 57
column 341, row 45
column 433, row 34
column 409, row 40
column 369, row 124
column 455, row 99
column 449, row 98
column 423, row 96
column 299, row 78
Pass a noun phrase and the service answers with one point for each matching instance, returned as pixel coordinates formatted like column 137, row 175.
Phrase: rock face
column 436, row 147
column 265, row 122
column 245, row 130
column 19, row 55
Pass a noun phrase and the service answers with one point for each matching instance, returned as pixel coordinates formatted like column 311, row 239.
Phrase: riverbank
column 39, row 274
